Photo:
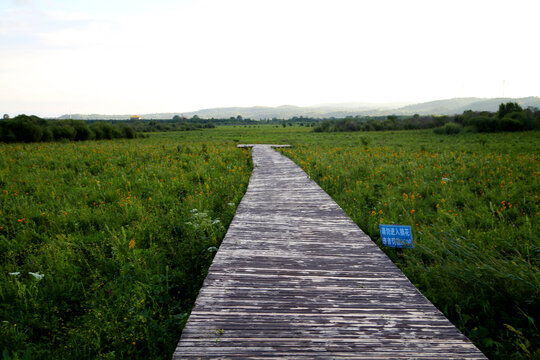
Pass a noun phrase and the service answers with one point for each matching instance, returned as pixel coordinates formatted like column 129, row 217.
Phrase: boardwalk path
column 296, row 278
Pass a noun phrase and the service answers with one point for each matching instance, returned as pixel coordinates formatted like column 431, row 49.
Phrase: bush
column 27, row 131
column 128, row 132
column 483, row 123
column 83, row 132
column 7, row 135
column 22, row 128
column 47, row 135
column 63, row 132
column 97, row 130
column 509, row 124
column 117, row 132
column 323, row 127
column 448, row 129
column 103, row 130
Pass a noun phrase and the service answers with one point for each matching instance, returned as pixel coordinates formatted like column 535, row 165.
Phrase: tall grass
column 104, row 245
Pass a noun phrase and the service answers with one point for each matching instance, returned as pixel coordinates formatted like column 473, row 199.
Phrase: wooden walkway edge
column 296, row 278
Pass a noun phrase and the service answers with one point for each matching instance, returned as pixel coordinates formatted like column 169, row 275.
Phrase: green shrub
column 65, row 132
column 97, row 130
column 509, row 124
column 83, row 132
column 127, row 131
column 117, row 132
column 103, row 130
column 27, row 131
column 448, row 129
column 483, row 123
column 47, row 135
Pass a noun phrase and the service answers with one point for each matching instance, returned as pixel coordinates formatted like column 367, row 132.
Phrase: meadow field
column 104, row 244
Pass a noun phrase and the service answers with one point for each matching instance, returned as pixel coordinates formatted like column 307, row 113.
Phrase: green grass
column 123, row 232
column 112, row 226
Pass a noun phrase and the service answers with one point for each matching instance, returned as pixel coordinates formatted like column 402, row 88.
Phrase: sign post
column 397, row 236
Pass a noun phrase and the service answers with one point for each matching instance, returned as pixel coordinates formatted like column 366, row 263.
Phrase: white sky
column 134, row 57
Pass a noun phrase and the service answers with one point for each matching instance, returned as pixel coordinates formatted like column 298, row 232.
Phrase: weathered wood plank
column 296, row 278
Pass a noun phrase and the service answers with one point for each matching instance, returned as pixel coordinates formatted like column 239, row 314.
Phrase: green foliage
column 448, row 129
column 28, row 129
column 508, row 108
column 483, row 123
column 509, row 124
column 63, row 132
column 104, row 245
column 177, row 124
column 106, row 131
column 511, row 117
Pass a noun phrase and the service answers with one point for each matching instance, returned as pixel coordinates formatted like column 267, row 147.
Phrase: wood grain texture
column 296, row 278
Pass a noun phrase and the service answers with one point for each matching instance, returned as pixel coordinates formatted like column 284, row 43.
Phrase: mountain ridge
column 436, row 107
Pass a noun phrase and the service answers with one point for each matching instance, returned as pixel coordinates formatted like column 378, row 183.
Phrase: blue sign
column 398, row 236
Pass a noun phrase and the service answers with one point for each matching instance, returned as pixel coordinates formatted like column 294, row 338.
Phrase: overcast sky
column 133, row 57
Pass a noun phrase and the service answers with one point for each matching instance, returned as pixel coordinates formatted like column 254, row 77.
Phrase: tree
column 6, row 117
column 508, row 108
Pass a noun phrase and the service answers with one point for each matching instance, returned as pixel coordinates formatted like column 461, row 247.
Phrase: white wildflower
column 38, row 276
column 14, row 273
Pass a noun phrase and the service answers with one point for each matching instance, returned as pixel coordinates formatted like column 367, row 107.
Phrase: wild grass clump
column 104, row 245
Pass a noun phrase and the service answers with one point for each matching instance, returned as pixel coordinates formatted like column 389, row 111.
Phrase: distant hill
column 438, row 107
column 459, row 105
column 446, row 106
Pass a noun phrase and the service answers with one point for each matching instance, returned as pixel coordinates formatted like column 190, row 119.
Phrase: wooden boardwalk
column 296, row 278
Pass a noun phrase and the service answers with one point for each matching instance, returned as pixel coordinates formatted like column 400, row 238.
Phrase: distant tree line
column 510, row 117
column 31, row 128
column 24, row 128
column 165, row 125
column 180, row 123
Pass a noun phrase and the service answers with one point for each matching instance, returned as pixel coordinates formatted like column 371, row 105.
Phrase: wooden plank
column 270, row 145
column 296, row 278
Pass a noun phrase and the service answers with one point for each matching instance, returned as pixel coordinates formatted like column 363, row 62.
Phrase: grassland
column 113, row 227
column 104, row 245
